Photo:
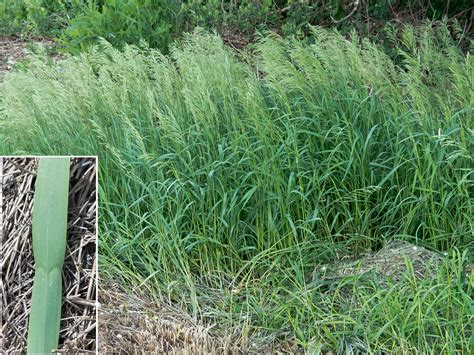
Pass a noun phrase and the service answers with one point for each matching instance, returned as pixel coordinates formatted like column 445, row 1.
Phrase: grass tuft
column 225, row 183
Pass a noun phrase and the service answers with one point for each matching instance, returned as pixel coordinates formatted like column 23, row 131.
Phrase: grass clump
column 226, row 182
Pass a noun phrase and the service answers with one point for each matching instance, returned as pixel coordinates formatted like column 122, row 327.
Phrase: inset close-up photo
column 49, row 254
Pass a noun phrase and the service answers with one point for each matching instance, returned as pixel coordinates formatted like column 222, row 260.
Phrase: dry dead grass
column 78, row 323
column 390, row 261
column 132, row 324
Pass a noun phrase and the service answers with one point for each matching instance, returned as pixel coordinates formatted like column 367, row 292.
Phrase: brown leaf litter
column 14, row 48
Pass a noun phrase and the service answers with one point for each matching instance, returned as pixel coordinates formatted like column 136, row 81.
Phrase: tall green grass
column 225, row 181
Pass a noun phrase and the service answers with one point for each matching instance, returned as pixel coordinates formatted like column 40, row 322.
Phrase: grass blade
column 49, row 244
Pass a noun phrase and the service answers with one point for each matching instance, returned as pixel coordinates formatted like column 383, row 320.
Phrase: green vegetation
column 78, row 24
column 228, row 183
column 49, row 246
column 121, row 22
column 37, row 16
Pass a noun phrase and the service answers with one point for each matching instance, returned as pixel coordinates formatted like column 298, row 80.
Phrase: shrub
column 125, row 21
column 80, row 23
column 37, row 16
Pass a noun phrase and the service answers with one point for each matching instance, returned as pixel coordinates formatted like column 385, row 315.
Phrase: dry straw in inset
column 49, row 245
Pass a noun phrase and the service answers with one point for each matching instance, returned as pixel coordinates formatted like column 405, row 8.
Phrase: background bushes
column 119, row 22
column 79, row 23
column 37, row 16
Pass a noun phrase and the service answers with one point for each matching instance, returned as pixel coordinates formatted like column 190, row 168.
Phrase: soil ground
column 14, row 48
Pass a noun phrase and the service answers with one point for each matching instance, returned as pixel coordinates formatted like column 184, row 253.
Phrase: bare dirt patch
column 14, row 48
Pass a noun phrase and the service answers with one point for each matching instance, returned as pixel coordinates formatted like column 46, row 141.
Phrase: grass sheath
column 49, row 244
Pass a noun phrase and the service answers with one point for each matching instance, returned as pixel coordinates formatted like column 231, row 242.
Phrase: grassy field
column 233, row 186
